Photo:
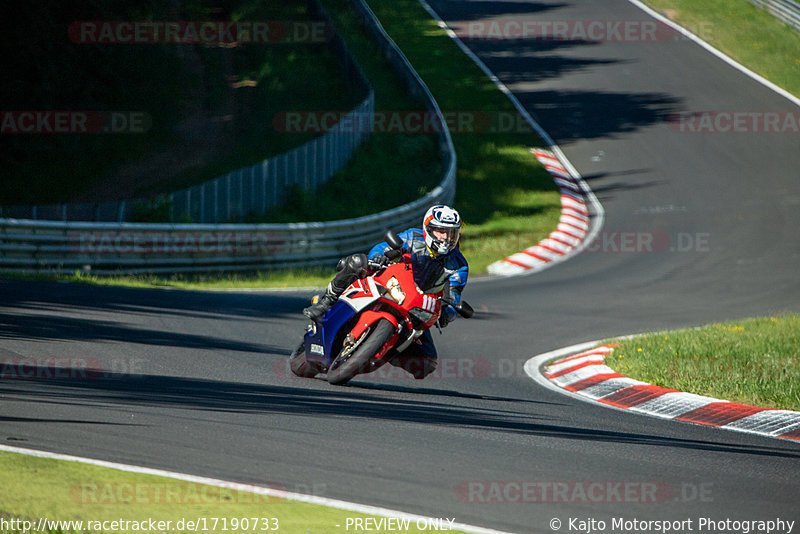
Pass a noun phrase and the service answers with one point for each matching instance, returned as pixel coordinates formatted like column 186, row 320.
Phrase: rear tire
column 359, row 361
column 299, row 364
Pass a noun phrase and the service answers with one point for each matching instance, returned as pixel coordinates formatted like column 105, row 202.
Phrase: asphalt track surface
column 197, row 382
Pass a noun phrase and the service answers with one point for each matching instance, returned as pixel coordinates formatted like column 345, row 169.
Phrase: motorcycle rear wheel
column 359, row 361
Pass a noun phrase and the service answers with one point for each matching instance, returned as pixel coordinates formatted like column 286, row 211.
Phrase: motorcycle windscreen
column 429, row 273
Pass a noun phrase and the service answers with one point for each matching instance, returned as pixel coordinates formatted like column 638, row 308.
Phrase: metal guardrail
column 28, row 246
column 786, row 10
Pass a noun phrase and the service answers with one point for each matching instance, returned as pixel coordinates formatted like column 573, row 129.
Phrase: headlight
column 393, row 285
column 423, row 315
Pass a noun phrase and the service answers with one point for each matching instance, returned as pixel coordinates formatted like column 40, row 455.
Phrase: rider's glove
column 380, row 259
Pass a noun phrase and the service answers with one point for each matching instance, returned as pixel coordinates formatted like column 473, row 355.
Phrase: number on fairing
column 428, row 303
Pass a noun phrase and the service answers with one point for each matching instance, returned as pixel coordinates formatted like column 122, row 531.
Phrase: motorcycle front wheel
column 352, row 361
column 299, row 365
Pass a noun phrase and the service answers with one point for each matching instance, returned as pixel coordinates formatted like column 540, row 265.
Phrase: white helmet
column 442, row 218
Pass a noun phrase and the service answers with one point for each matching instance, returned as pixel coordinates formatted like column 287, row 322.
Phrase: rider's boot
column 321, row 304
column 349, row 270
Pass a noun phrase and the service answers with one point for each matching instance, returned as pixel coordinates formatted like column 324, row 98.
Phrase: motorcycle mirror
column 393, row 240
column 465, row 310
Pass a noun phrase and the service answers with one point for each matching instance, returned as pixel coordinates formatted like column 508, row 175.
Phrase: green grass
column 752, row 361
column 741, row 30
column 33, row 488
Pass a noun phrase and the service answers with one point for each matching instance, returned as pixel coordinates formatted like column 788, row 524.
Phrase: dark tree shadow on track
column 499, row 48
column 32, row 295
column 595, row 114
column 361, row 384
column 45, row 311
column 57, row 421
column 533, row 69
column 335, row 402
column 565, row 114
column 533, row 61
column 607, row 191
column 51, row 327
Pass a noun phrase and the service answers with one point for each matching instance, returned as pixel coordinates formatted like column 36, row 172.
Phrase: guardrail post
column 264, row 172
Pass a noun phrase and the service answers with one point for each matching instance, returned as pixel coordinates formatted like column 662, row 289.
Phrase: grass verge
column 753, row 361
column 741, row 30
column 32, row 488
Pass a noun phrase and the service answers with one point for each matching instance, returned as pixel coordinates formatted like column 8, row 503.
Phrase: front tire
column 299, row 364
column 346, row 367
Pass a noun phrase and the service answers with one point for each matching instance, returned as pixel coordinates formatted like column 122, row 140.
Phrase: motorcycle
column 376, row 317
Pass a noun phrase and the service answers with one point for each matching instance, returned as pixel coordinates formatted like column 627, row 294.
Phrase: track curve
column 197, row 382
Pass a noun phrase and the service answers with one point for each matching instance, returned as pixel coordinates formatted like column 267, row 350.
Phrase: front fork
column 405, row 334
column 411, row 336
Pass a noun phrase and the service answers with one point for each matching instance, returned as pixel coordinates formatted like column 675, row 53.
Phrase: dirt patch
column 671, row 14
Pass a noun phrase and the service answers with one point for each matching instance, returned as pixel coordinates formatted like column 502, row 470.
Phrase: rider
column 438, row 238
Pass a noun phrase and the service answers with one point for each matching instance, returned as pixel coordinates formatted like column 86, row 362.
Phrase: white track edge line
column 719, row 54
column 260, row 490
column 597, row 208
